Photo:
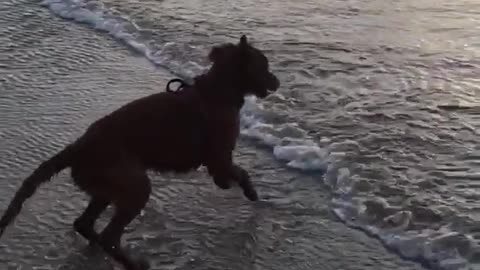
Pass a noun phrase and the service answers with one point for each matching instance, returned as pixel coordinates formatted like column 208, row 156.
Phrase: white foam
column 439, row 249
column 288, row 141
column 96, row 15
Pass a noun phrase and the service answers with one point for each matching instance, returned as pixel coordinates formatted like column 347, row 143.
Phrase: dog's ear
column 243, row 41
column 243, row 48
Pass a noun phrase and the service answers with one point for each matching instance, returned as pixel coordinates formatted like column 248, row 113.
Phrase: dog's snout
column 274, row 82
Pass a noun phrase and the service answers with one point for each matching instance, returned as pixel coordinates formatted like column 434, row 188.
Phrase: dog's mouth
column 264, row 92
column 273, row 84
column 269, row 86
column 270, row 90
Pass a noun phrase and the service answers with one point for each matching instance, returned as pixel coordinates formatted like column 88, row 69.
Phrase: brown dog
column 169, row 131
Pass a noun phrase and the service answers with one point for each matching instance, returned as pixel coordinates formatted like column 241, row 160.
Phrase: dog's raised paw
column 251, row 194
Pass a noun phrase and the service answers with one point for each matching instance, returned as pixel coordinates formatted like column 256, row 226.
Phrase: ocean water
column 379, row 103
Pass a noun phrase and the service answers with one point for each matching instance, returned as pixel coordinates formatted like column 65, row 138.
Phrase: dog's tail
column 42, row 174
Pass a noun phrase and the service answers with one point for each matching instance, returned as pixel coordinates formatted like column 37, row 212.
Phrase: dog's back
column 162, row 131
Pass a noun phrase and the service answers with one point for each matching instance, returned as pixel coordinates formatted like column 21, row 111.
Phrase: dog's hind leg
column 84, row 224
column 129, row 198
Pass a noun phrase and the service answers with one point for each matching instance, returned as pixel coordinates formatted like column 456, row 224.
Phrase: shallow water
column 361, row 108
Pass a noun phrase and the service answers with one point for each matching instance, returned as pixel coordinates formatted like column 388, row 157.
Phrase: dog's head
column 244, row 66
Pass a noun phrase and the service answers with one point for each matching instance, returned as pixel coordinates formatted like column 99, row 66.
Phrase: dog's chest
column 178, row 133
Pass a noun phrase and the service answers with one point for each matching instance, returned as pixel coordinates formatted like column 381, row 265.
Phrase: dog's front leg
column 223, row 134
column 243, row 179
column 224, row 171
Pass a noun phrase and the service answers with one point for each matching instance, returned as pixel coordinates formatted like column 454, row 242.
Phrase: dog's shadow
column 83, row 256
column 86, row 257
column 80, row 255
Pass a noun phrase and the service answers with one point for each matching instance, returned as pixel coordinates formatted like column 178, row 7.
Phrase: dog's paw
column 222, row 184
column 251, row 194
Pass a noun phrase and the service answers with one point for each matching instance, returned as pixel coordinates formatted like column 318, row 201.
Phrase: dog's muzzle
column 274, row 83
column 269, row 85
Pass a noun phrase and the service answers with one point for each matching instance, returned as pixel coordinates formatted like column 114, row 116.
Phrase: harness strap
column 182, row 85
column 202, row 115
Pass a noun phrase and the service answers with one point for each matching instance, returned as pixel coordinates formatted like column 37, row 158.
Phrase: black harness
column 202, row 136
column 182, row 85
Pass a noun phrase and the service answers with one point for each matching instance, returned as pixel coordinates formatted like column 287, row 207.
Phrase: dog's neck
column 219, row 90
